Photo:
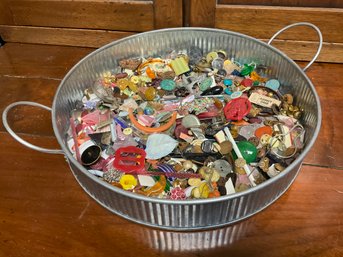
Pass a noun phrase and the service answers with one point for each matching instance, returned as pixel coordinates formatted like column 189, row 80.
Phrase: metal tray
column 189, row 214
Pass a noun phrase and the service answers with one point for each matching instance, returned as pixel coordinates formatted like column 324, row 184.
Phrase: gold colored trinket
column 264, row 164
column 239, row 164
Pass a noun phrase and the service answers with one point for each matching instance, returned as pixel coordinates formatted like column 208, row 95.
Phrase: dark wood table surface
column 44, row 212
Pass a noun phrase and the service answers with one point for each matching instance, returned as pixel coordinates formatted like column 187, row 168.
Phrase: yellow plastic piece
column 158, row 188
column 179, row 65
column 128, row 182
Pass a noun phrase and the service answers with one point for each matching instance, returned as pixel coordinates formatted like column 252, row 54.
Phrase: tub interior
column 242, row 48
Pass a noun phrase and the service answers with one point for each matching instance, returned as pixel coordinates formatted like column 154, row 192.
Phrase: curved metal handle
column 303, row 24
column 19, row 139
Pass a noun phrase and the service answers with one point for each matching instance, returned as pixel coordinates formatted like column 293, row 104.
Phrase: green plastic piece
column 247, row 69
column 248, row 151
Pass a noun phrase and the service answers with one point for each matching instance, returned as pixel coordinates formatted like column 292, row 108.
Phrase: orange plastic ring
column 152, row 130
column 142, row 65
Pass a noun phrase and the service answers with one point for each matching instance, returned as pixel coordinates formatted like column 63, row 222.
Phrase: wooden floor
column 44, row 212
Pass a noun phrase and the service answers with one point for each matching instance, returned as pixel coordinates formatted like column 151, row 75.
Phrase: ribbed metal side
column 195, row 214
column 191, row 216
column 199, row 240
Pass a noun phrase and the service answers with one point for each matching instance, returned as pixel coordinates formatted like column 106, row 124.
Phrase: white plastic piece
column 146, row 181
column 230, row 189
column 239, row 155
column 96, row 173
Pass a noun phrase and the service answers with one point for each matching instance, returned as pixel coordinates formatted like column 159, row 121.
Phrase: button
column 237, row 108
column 222, row 72
column 227, row 82
column 273, row 84
column 211, row 56
column 265, row 139
column 135, row 79
column 249, row 130
column 230, row 67
column 236, row 94
column 223, row 167
column 263, row 130
column 222, row 54
column 247, row 82
column 168, row 84
column 206, row 84
column 177, row 193
column 225, row 147
column 217, row 63
column 207, row 146
column 127, row 131
column 210, row 146
column 150, row 93
column 227, row 91
column 190, row 121
column 254, row 140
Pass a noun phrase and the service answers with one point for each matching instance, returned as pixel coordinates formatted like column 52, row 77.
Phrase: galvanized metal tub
column 189, row 214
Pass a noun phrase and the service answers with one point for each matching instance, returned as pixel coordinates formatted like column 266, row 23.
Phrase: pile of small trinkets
column 186, row 126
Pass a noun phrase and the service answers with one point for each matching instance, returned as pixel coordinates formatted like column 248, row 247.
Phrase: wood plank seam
column 28, row 77
column 260, row 20
column 117, row 15
column 322, row 166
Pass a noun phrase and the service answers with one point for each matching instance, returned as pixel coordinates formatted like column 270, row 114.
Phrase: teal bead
column 248, row 151
column 168, row 84
column 227, row 91
column 148, row 110
column 227, row 82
